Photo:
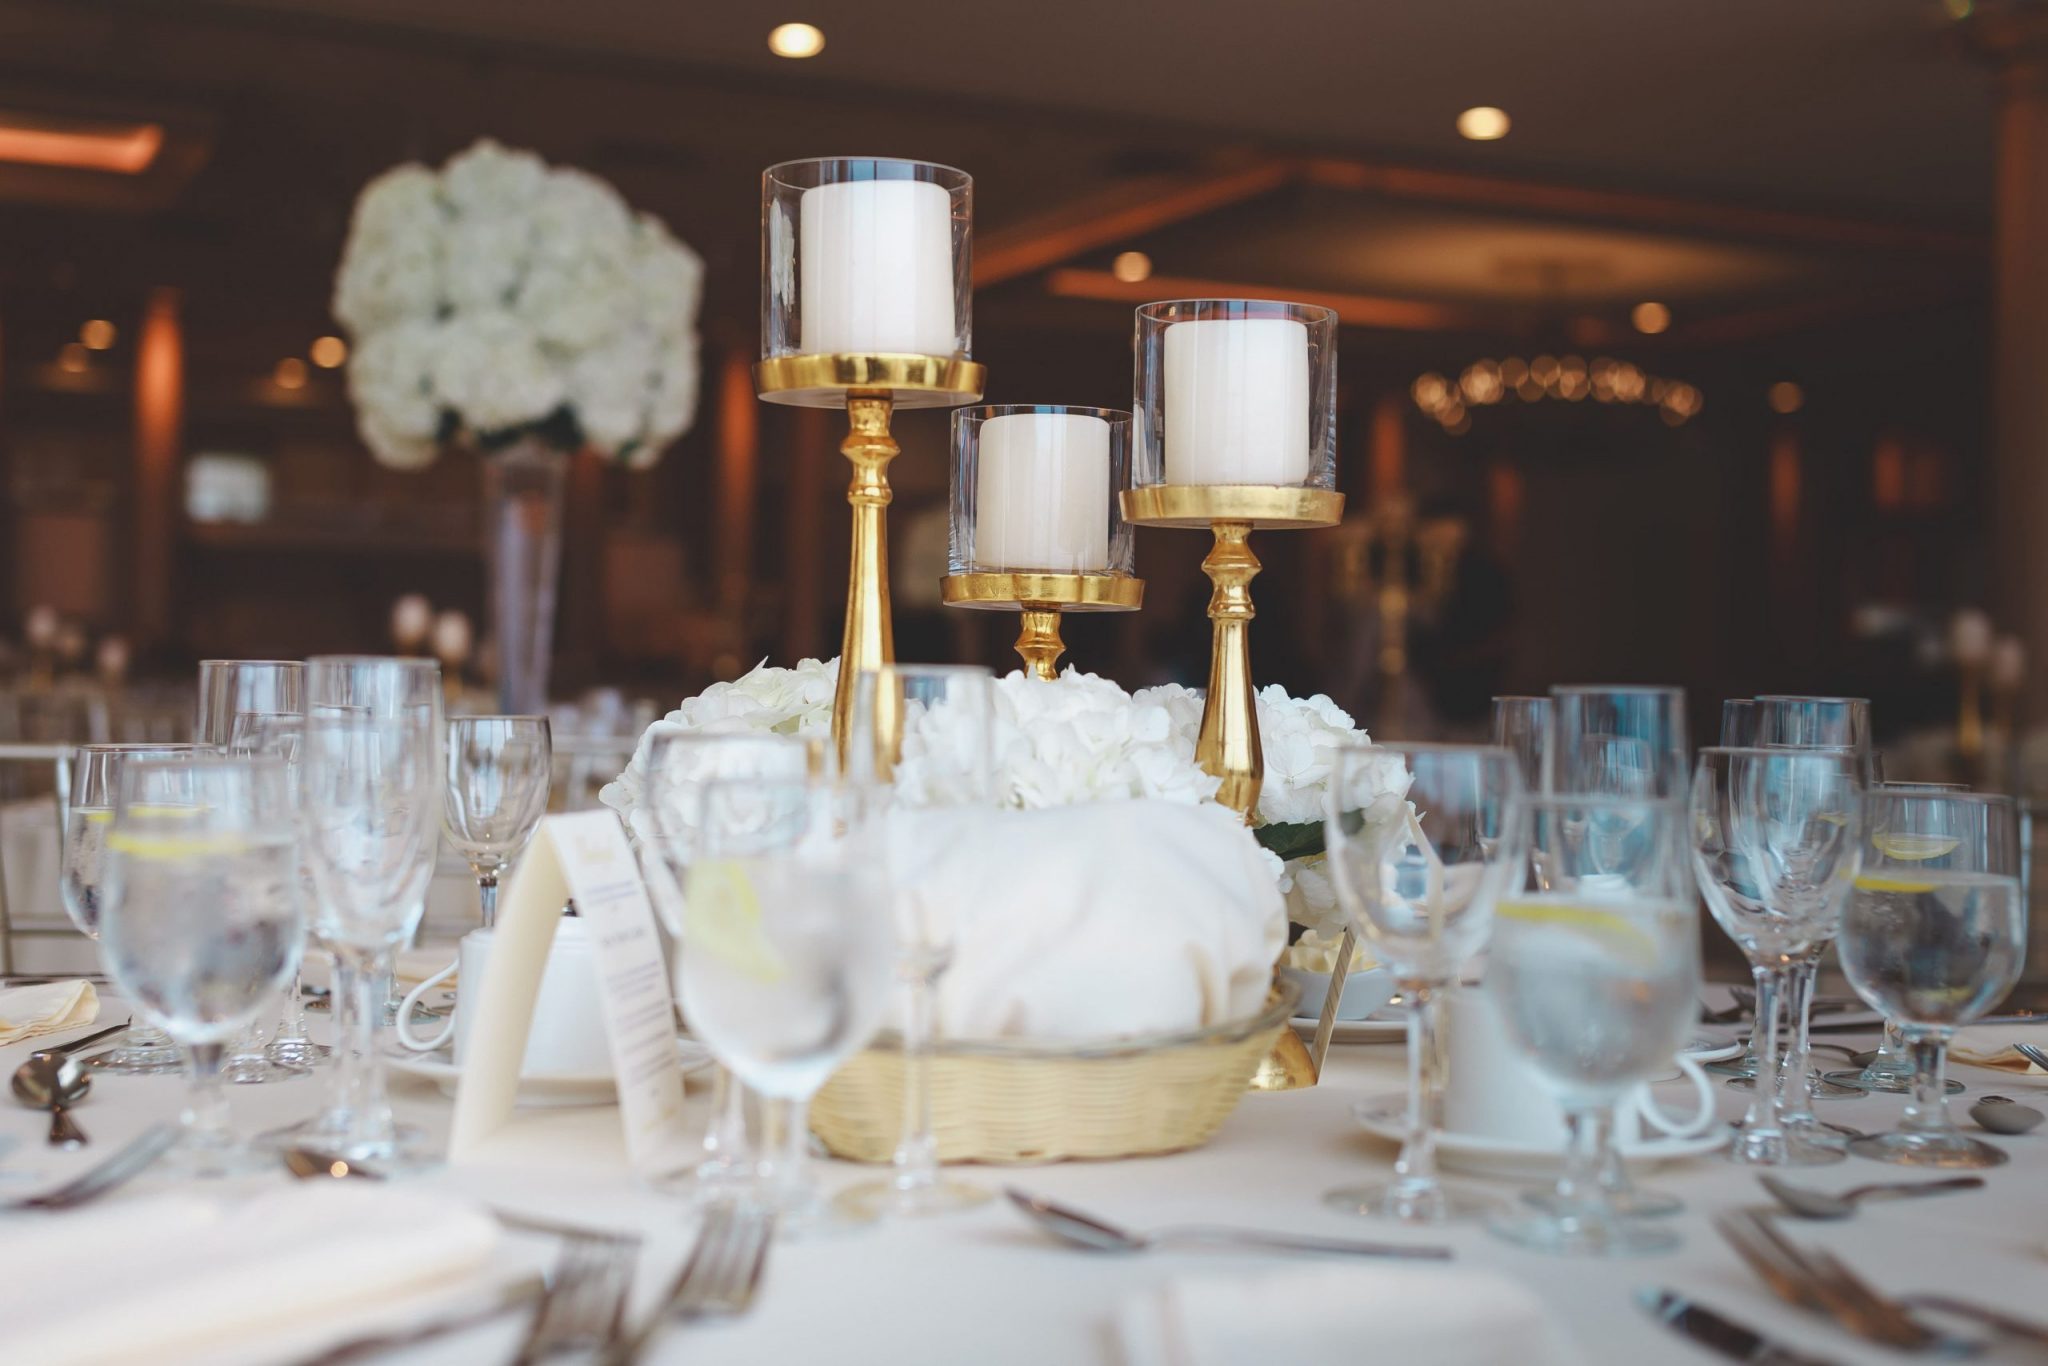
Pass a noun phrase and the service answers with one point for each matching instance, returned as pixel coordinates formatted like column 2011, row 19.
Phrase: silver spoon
column 2001, row 1115
column 54, row 1084
column 1813, row 1204
column 1085, row 1230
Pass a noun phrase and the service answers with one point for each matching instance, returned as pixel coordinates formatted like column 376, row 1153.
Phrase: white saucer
column 536, row 1090
column 1712, row 1045
column 1355, row 1031
column 1387, row 1117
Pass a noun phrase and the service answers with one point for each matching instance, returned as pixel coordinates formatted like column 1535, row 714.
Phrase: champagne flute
column 1596, row 974
column 945, row 749
column 1420, row 875
column 95, row 788
column 203, row 919
column 499, row 768
column 1934, row 936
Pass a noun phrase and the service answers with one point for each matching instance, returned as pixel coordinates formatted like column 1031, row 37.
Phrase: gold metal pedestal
column 1041, row 598
column 870, row 387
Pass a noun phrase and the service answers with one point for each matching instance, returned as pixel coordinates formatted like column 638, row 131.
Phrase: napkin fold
column 181, row 1279
column 1990, row 1046
column 45, row 1008
column 1341, row 1316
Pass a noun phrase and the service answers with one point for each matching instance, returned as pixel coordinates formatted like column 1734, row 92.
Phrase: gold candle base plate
column 911, row 381
column 1041, row 597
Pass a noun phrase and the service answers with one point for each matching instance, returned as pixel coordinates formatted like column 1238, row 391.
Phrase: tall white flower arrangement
column 501, row 298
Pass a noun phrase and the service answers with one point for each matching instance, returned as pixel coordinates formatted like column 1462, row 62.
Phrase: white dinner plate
column 538, row 1091
column 1355, row 1031
column 1387, row 1117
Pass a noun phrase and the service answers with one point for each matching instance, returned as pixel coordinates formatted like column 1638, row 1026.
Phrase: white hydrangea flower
column 491, row 179
column 490, row 369
column 1300, row 736
column 486, row 262
column 611, row 388
column 391, row 379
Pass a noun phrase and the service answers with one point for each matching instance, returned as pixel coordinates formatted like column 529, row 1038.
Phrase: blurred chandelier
column 1569, row 378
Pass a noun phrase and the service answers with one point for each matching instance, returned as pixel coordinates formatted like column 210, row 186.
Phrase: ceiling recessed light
column 98, row 334
column 796, row 40
column 1650, row 317
column 1786, row 397
column 1131, row 267
column 328, row 352
column 1483, row 123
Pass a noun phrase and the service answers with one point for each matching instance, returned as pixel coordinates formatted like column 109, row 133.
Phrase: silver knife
column 1718, row 1333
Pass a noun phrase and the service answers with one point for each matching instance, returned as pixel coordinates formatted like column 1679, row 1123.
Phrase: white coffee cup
column 1493, row 1091
column 567, row 1038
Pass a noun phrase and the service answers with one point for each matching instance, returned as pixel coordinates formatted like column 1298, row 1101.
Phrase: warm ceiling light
column 98, row 335
column 1483, row 123
column 796, row 40
column 1650, row 317
column 290, row 373
column 328, row 352
column 73, row 358
column 1786, row 397
column 1131, row 267
column 80, row 144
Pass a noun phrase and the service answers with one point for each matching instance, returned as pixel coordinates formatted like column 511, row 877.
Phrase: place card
column 582, row 857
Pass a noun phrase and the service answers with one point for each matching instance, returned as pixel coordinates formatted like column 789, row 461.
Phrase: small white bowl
column 1366, row 992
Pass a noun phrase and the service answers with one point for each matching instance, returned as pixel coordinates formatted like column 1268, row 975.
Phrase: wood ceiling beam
column 1353, row 310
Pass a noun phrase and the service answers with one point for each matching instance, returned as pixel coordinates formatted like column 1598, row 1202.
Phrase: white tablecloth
column 987, row 1288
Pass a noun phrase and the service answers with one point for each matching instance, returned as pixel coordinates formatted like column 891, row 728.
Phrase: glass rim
column 494, row 716
column 1977, row 798
column 167, row 746
column 1522, row 697
column 769, row 172
column 1820, row 751
column 1319, row 313
column 931, row 670
column 984, row 411
column 710, row 736
column 1474, row 748
column 273, row 663
column 1803, row 697
column 1540, row 801
column 1624, row 689
column 371, row 659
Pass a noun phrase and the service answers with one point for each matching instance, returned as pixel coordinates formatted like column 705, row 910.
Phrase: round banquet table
column 986, row 1287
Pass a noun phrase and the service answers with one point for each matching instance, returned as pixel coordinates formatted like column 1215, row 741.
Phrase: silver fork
column 584, row 1305
column 2025, row 1329
column 1812, row 1279
column 91, row 1184
column 719, row 1278
column 2034, row 1055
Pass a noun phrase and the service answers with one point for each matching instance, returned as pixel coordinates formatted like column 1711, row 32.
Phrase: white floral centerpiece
column 500, row 298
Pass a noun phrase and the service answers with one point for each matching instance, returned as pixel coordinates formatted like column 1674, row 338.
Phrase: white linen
column 1988, row 1046
column 1093, row 921
column 1343, row 1315
column 178, row 1278
column 46, row 1008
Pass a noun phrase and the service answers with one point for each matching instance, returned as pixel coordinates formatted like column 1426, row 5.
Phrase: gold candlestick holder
column 870, row 386
column 1228, row 743
column 1042, row 598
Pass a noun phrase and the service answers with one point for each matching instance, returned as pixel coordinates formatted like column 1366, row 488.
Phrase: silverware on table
column 1808, row 1203
column 2036, row 1056
column 1717, row 1332
column 1813, row 1279
column 1085, row 1230
column 718, row 1279
column 126, row 1164
column 65, row 1050
column 584, row 1305
column 50, row 1082
column 2003, row 1115
column 515, row 1296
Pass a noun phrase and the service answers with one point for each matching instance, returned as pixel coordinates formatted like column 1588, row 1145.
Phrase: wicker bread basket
column 1016, row 1101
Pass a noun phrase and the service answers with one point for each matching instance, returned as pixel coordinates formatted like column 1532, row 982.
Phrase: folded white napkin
column 178, row 1278
column 45, row 1008
column 1092, row 921
column 1988, row 1046
column 1341, row 1316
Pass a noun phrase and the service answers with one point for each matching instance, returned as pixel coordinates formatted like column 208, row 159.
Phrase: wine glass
column 370, row 777
column 1934, row 936
column 1596, row 976
column 281, row 736
column 95, row 788
column 679, row 765
column 498, row 773
column 1738, row 722
column 1522, row 726
column 789, row 946
column 203, row 919
column 942, row 754
column 1774, row 848
column 1419, row 875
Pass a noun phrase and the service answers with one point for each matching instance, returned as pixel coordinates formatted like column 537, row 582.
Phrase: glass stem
column 916, row 1158
column 359, row 1073
column 725, row 1138
column 1794, row 1105
column 1415, row 1169
column 1764, row 1111
column 206, row 1102
column 1581, row 1198
column 1927, row 1112
column 487, row 892
column 785, row 1140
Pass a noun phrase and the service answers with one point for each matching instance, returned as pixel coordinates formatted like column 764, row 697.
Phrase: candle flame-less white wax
column 1041, row 493
column 1236, row 403
column 876, row 267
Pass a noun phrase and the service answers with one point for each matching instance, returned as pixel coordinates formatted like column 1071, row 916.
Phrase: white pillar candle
column 1041, row 493
column 876, row 267
column 1237, row 402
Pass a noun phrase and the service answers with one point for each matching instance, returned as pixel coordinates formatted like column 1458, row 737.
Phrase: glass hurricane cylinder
column 522, row 491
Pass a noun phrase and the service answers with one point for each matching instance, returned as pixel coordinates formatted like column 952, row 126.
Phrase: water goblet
column 1596, row 976
column 281, row 735
column 1935, row 935
column 498, row 773
column 1522, row 726
column 1422, row 840
column 1738, row 722
column 945, row 752
column 203, row 919
column 1774, row 849
column 788, row 949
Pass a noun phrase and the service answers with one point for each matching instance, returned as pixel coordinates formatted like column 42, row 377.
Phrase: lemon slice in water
column 722, row 917
column 1877, row 882
column 1613, row 931
column 1915, row 848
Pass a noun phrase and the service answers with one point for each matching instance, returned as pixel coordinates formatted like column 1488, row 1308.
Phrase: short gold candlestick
column 1228, row 743
column 870, row 387
column 1041, row 598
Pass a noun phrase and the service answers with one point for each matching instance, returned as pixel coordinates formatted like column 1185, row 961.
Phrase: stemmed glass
column 1738, row 731
column 203, row 918
column 95, row 787
column 1774, row 848
column 1935, row 935
column 789, row 946
column 1597, row 977
column 679, row 767
column 499, row 768
column 1420, row 878
column 943, row 753
column 281, row 736
column 370, row 777
column 1522, row 726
